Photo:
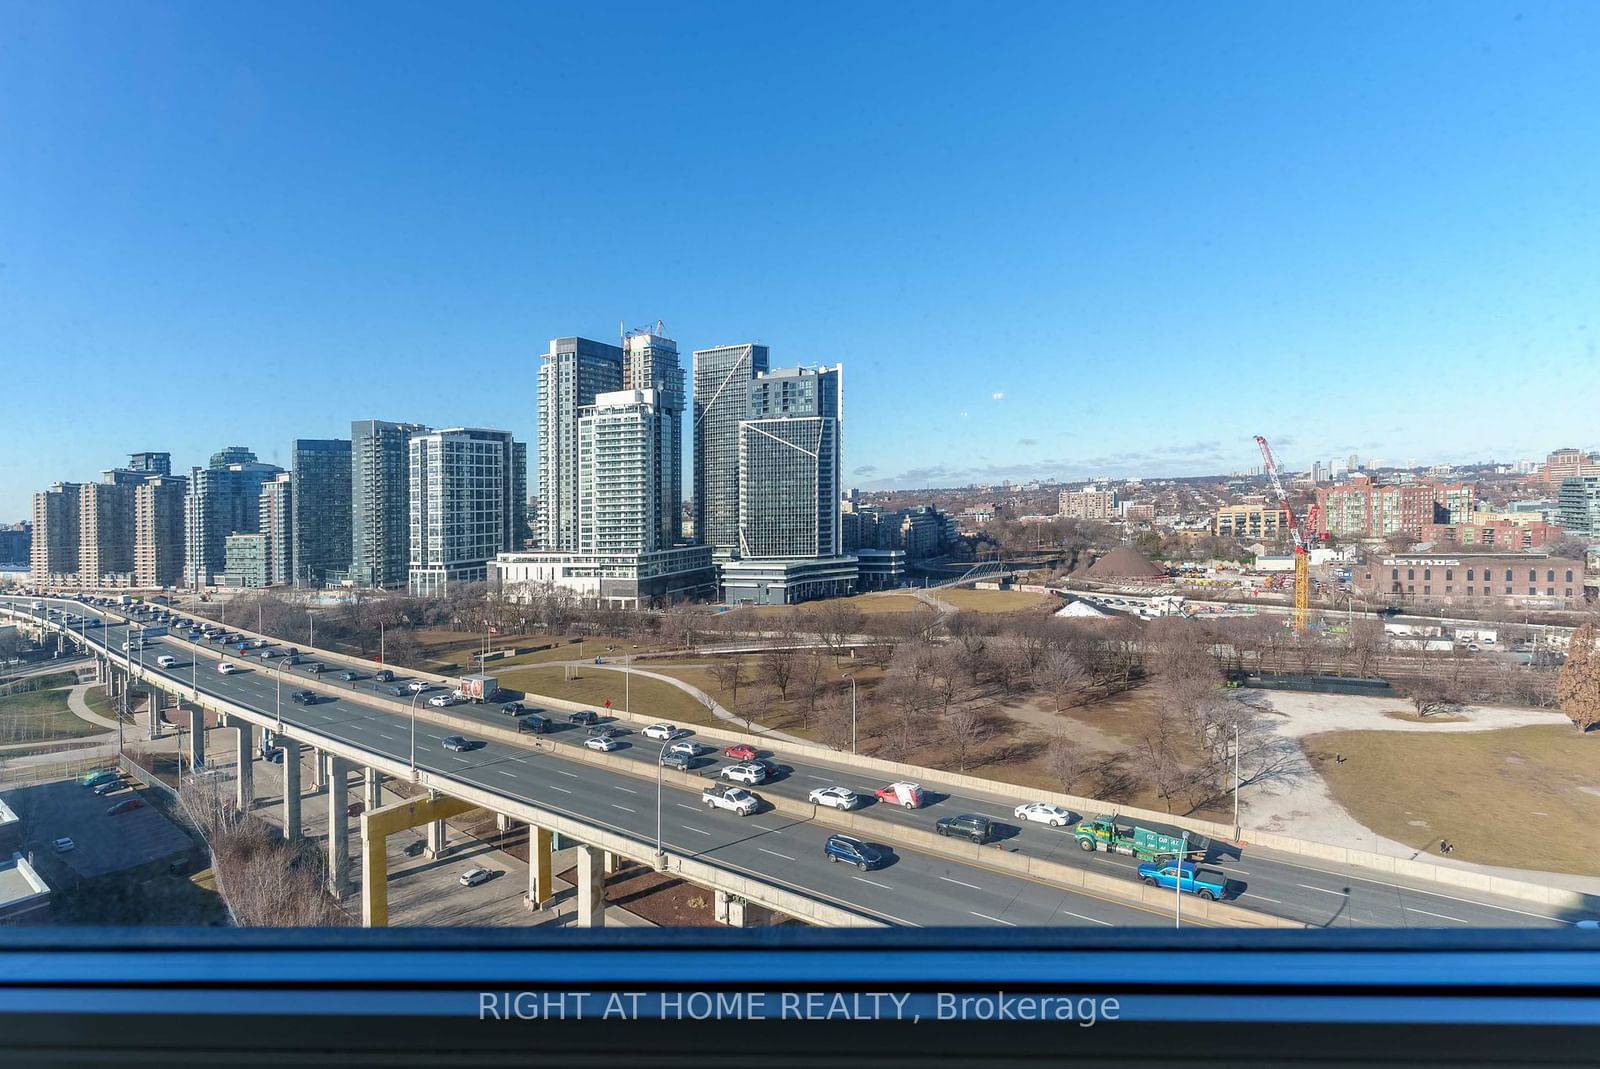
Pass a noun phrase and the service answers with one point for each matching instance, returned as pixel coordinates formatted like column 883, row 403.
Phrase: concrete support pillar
column 338, row 826
column 153, row 701
column 245, row 763
column 501, row 822
column 373, row 782
column 197, row 739
column 591, row 887
column 318, row 780
column 291, row 788
column 735, row 912
column 436, row 839
column 541, row 885
column 613, row 862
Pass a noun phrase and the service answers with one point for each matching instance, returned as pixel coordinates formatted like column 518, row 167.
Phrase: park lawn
column 969, row 599
column 566, row 649
column 651, row 697
column 96, row 699
column 1527, row 797
column 866, row 603
column 41, row 716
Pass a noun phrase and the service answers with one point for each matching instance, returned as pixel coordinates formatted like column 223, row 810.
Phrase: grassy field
column 95, row 698
column 866, row 603
column 1527, row 797
column 40, row 716
column 970, row 600
column 594, row 685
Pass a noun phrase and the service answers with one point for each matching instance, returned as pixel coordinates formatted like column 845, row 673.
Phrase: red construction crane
column 1302, row 540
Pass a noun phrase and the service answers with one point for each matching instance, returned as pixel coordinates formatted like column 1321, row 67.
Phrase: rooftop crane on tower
column 1302, row 540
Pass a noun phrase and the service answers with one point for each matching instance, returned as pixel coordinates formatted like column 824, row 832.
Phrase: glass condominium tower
column 721, row 400
column 465, row 503
column 789, row 465
column 571, row 375
column 651, row 363
column 380, row 501
column 320, row 518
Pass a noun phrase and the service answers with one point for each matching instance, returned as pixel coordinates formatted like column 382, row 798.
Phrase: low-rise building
column 1517, row 580
column 787, row 582
column 1488, row 534
column 1250, row 521
column 245, row 560
column 880, row 569
column 615, row 580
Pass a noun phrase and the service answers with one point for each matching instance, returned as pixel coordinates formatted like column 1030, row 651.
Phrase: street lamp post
column 1177, row 885
column 1236, row 778
column 313, row 622
column 660, row 760
column 852, row 714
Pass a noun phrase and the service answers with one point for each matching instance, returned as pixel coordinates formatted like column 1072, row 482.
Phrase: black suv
column 512, row 708
column 583, row 716
column 383, row 675
column 534, row 724
column 968, row 826
column 304, row 697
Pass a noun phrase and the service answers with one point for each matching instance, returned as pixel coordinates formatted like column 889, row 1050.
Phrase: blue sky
column 1044, row 240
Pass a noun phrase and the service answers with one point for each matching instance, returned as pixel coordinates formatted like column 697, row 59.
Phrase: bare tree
column 1066, row 761
column 964, row 729
column 1431, row 694
column 779, row 668
column 729, row 674
column 1061, row 673
column 834, row 721
column 836, row 621
column 1578, row 683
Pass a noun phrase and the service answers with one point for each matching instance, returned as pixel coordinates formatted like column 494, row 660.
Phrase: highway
column 784, row 850
column 914, row 889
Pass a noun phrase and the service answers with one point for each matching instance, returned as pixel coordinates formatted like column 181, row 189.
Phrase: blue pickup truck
column 1189, row 877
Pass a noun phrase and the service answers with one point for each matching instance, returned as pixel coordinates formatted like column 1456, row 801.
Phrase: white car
column 745, row 773
column 690, row 749
column 474, row 876
column 417, row 686
column 227, row 669
column 63, row 844
column 604, row 743
column 663, row 732
column 440, row 701
column 835, row 797
column 1044, row 813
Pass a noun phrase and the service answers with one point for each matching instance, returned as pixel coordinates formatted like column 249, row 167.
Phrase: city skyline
column 1144, row 263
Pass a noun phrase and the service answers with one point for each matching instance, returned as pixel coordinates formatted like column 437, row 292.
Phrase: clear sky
column 1045, row 240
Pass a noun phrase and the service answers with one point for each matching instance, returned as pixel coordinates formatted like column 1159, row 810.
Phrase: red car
column 127, row 806
column 740, row 752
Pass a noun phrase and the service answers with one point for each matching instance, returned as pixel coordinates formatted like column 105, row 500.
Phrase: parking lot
column 102, row 843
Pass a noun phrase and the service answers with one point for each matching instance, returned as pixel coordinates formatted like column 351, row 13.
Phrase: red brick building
column 1495, row 535
column 1519, row 580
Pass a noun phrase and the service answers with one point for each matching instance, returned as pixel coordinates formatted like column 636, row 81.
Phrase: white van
column 166, row 660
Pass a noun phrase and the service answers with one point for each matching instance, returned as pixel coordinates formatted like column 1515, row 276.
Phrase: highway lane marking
column 574, row 775
column 702, row 831
column 624, row 808
column 503, row 772
column 958, row 883
column 1264, row 898
column 686, row 805
column 824, row 779
column 1324, row 890
column 758, row 827
column 553, row 787
column 381, row 735
column 1402, row 888
column 774, row 853
column 874, row 883
column 1441, row 916
column 1091, row 920
column 986, row 917
column 630, row 790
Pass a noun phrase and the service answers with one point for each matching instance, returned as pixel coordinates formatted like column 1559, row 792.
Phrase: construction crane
column 1302, row 539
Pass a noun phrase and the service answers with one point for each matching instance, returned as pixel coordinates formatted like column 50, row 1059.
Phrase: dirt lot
column 973, row 600
column 1524, row 797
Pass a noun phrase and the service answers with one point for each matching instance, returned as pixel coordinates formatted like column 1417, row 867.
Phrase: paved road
column 1275, row 884
column 914, row 889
